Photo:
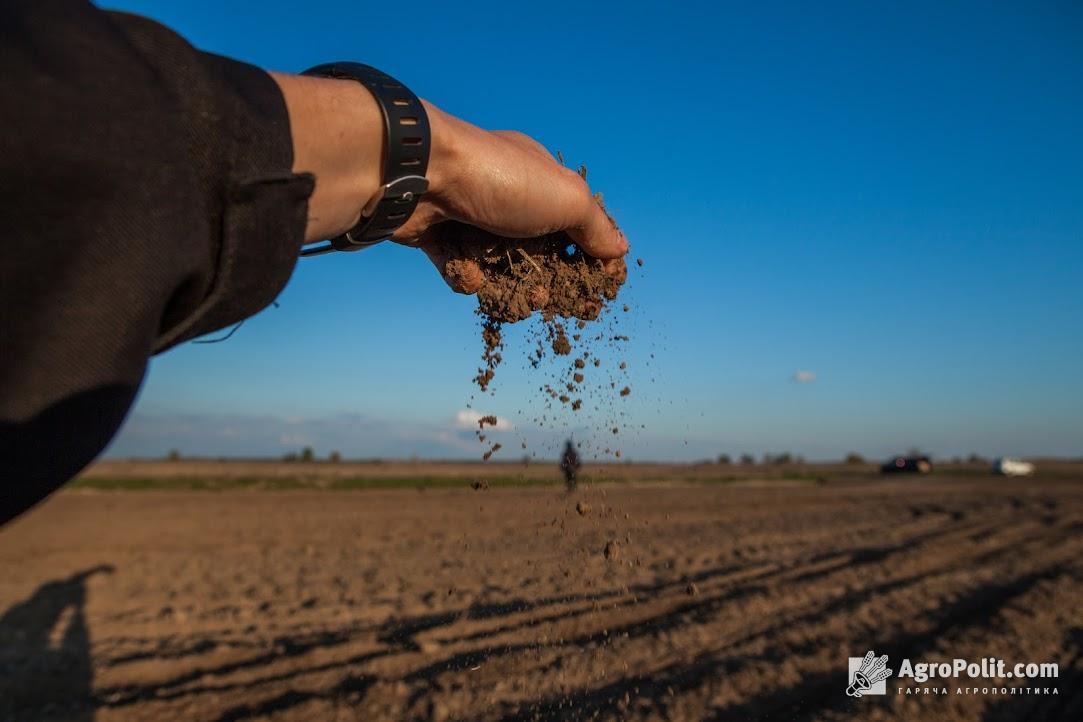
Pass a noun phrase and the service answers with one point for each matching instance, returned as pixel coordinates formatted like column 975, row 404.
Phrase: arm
column 148, row 198
column 154, row 193
column 501, row 181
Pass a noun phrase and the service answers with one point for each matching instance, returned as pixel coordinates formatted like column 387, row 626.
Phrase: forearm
column 338, row 136
column 503, row 182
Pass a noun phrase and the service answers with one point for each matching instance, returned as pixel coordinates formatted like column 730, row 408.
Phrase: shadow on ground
column 45, row 665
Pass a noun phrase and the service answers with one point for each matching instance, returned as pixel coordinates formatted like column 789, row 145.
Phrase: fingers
column 462, row 275
column 592, row 229
column 595, row 232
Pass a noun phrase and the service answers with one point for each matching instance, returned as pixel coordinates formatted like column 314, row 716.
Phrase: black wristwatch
column 405, row 160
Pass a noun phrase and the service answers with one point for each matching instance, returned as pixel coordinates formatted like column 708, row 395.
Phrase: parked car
column 907, row 465
column 1012, row 467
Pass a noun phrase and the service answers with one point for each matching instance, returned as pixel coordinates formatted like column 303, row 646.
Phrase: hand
column 506, row 183
column 501, row 181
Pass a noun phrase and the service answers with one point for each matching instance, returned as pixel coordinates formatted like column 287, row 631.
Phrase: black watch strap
column 406, row 157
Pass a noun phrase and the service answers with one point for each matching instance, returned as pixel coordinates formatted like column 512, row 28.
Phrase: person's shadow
column 45, row 665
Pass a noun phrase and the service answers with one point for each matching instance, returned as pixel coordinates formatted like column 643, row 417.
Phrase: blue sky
column 889, row 196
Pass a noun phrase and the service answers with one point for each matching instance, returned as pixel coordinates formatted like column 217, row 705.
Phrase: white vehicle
column 1012, row 467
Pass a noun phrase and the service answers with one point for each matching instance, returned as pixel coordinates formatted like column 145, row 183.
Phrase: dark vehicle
column 907, row 465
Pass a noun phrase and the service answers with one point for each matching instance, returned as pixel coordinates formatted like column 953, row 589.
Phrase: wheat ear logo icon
column 872, row 669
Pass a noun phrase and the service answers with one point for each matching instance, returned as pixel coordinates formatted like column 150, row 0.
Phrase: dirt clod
column 519, row 276
column 612, row 550
column 582, row 508
column 561, row 345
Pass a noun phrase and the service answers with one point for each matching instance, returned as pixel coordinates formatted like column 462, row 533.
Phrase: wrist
column 338, row 136
column 445, row 155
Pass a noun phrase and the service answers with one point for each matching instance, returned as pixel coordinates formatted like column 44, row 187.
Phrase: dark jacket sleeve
column 147, row 198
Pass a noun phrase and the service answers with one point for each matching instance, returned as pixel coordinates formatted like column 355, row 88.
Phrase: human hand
column 500, row 181
column 506, row 183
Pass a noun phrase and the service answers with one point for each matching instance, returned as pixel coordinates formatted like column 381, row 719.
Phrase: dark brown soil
column 553, row 280
column 513, row 278
column 290, row 606
column 612, row 550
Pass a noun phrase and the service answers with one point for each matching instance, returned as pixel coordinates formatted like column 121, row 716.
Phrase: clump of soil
column 612, row 550
column 514, row 277
column 548, row 277
column 491, row 356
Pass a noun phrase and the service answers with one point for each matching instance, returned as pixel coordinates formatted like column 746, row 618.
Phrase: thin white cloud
column 804, row 377
column 468, row 419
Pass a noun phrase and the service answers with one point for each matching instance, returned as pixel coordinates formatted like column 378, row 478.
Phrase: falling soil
column 549, row 278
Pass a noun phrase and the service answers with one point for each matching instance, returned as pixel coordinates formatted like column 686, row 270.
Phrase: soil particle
column 490, row 335
column 464, row 276
column 480, row 485
column 691, row 590
column 520, row 276
column 626, row 390
column 553, row 280
column 612, row 550
column 582, row 508
column 561, row 345
column 490, row 420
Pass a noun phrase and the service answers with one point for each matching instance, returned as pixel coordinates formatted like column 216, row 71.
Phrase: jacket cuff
column 265, row 206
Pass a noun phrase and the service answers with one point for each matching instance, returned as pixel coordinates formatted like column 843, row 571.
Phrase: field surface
column 723, row 600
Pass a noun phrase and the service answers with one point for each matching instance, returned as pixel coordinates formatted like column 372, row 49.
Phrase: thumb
column 598, row 234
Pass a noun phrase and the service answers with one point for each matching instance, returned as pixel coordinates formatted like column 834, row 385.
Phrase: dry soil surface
column 699, row 602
